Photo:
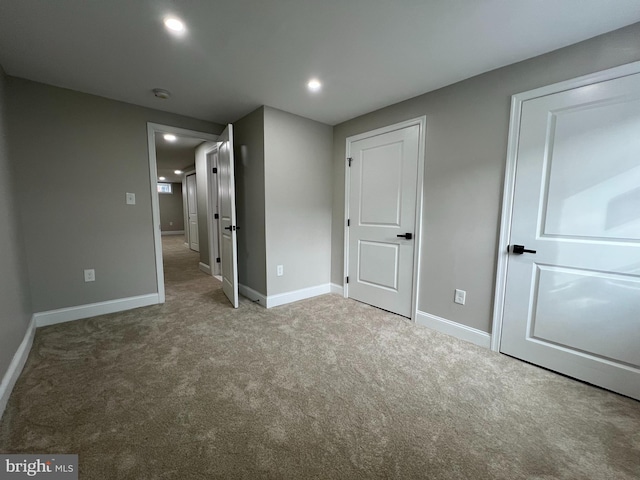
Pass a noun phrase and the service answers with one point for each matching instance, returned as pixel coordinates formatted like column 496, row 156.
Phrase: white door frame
column 421, row 122
column 152, row 129
column 185, row 206
column 510, row 178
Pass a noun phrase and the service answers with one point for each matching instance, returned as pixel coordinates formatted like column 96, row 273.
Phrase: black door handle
column 408, row 236
column 519, row 250
column 231, row 227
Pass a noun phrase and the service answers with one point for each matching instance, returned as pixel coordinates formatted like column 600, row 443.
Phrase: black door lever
column 408, row 236
column 519, row 250
column 231, row 227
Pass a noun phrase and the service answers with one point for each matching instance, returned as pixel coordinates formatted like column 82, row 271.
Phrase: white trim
column 61, row 315
column 510, row 177
column 251, row 294
column 17, row 364
column 296, row 295
column 172, row 232
column 152, row 128
column 422, row 123
column 335, row 288
column 463, row 332
column 204, row 268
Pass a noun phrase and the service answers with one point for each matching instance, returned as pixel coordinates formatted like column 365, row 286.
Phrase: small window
column 164, row 188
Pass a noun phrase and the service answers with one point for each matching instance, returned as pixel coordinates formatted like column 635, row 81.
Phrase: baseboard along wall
column 17, row 364
column 270, row 301
column 172, row 232
column 463, row 332
column 204, row 268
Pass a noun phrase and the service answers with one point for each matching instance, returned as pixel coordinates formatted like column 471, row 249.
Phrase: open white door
column 572, row 301
column 227, row 199
column 192, row 210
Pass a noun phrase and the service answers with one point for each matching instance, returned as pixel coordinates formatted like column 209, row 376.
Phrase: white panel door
column 192, row 211
column 573, row 306
column 383, row 180
column 227, row 204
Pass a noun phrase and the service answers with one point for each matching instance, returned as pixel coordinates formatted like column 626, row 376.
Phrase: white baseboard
column 335, row 288
column 251, row 294
column 204, row 268
column 61, row 315
column 294, row 296
column 172, row 232
column 469, row 334
column 17, row 364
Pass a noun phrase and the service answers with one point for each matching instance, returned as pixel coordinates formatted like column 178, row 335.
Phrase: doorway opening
column 176, row 157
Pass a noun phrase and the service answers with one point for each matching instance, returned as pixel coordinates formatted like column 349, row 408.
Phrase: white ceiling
column 240, row 54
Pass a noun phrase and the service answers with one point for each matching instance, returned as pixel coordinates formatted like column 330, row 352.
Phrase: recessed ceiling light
column 177, row 172
column 314, row 85
column 161, row 178
column 169, row 137
column 175, row 25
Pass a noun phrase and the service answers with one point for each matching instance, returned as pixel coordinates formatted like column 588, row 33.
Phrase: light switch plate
column 89, row 275
column 131, row 198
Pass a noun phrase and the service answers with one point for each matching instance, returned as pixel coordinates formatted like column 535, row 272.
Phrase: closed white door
column 383, row 179
column 192, row 211
column 227, row 204
column 573, row 306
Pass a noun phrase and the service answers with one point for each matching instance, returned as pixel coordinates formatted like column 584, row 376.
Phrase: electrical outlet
column 131, row 198
column 460, row 296
column 280, row 270
column 90, row 275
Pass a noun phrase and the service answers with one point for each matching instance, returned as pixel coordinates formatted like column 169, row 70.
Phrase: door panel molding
column 421, row 122
column 510, row 177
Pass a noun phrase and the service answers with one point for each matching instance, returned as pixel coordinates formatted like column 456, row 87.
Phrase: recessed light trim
column 170, row 137
column 314, row 85
column 162, row 178
column 178, row 172
column 175, row 25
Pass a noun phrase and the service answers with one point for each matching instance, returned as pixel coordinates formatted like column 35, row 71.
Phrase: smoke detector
column 161, row 93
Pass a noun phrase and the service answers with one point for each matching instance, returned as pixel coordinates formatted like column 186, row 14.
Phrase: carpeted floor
column 323, row 388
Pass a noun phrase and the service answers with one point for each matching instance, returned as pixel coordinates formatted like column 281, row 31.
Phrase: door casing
column 510, row 178
column 422, row 123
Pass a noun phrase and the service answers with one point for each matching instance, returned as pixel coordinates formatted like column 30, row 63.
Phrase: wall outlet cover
column 460, row 296
column 131, row 198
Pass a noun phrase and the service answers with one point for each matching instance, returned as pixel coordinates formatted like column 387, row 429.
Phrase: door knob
column 408, row 236
column 519, row 250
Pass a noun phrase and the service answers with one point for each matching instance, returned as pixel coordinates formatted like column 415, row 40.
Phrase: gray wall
column 250, row 195
column 171, row 209
column 467, row 126
column 76, row 157
column 15, row 300
column 298, row 201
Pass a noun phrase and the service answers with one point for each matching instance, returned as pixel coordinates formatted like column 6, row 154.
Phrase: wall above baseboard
column 469, row 334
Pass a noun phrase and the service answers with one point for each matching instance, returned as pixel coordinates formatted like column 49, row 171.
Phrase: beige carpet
column 323, row 388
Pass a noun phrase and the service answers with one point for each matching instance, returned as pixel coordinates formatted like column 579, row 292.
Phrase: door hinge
column 350, row 160
column 348, row 222
column 215, row 215
column 214, row 170
column 218, row 260
column 347, row 280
